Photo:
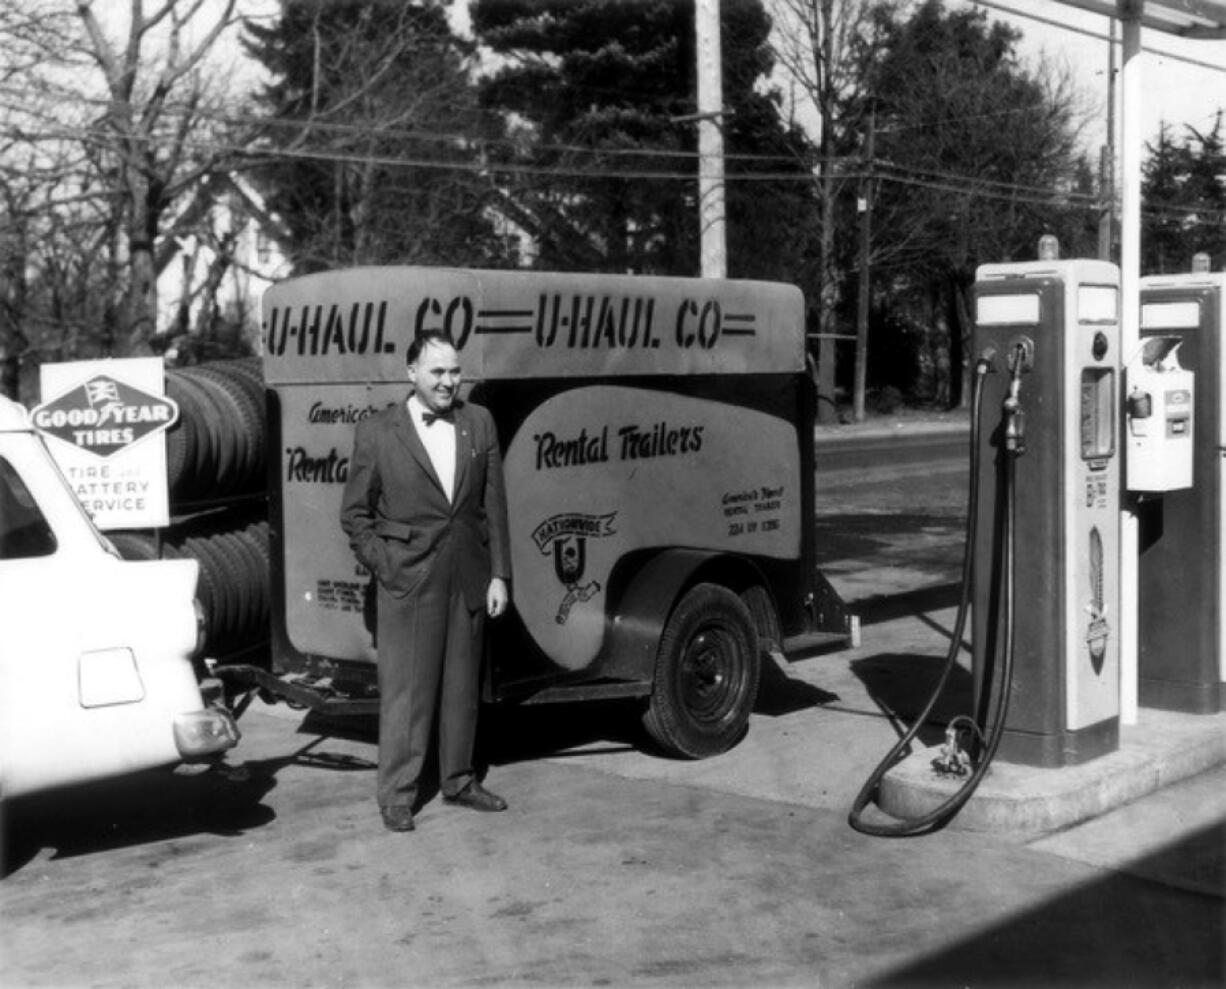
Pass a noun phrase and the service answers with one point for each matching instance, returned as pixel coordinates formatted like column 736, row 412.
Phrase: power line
column 1064, row 26
column 231, row 118
column 925, row 178
column 946, row 181
column 364, row 131
column 930, row 179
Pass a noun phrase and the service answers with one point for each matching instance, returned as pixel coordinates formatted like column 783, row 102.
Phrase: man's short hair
column 424, row 337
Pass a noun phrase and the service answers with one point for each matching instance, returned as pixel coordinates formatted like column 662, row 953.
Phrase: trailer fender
column 643, row 609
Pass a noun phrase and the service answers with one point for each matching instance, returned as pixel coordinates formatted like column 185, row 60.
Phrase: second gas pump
column 1176, row 462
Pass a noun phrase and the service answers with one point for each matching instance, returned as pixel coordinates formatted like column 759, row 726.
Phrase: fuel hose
column 941, row 815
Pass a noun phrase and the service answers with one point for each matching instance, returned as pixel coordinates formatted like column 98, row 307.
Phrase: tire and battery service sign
column 105, row 422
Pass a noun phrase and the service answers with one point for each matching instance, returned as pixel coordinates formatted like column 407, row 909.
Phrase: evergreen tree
column 1206, row 187
column 975, row 159
column 1164, row 176
column 374, row 136
column 605, row 177
column 1208, row 183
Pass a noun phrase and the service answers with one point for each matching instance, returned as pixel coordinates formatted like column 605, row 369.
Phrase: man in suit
column 425, row 511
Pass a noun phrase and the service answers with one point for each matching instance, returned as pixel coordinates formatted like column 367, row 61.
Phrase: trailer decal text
column 344, row 414
column 634, row 442
column 567, row 535
column 320, row 331
column 739, row 505
column 587, row 321
column 301, row 466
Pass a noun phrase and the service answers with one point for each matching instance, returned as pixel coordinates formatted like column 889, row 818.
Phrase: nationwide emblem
column 566, row 536
column 1098, row 630
column 104, row 415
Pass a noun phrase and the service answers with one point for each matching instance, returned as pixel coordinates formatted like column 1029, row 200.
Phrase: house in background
column 226, row 248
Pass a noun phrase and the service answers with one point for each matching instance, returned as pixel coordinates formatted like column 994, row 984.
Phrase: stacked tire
column 216, row 465
column 216, row 449
column 234, row 575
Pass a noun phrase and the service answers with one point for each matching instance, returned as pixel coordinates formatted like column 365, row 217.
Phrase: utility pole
column 711, row 213
column 828, row 287
column 1106, row 216
column 865, row 207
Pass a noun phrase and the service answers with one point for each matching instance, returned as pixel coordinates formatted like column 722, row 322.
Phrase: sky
column 1173, row 91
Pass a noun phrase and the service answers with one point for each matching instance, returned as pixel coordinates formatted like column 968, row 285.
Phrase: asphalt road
column 872, row 451
column 614, row 867
column 891, row 516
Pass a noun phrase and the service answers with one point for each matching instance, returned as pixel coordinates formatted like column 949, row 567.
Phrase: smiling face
column 435, row 376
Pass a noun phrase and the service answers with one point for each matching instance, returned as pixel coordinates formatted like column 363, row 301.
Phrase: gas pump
column 1175, row 476
column 1041, row 561
column 1060, row 320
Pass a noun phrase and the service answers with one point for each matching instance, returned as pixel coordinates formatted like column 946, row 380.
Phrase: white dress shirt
column 439, row 440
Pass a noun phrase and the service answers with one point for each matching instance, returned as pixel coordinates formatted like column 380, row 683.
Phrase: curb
column 896, row 428
column 1025, row 801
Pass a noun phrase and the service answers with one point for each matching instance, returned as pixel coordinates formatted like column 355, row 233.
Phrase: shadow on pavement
column 512, row 733
column 522, row 733
column 1140, row 932
column 901, row 684
column 780, row 694
column 151, row 806
column 887, row 607
column 134, row 810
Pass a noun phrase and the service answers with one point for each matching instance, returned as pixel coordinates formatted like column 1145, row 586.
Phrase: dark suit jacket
column 398, row 519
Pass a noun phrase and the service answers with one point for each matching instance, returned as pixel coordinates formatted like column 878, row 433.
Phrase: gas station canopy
column 1200, row 19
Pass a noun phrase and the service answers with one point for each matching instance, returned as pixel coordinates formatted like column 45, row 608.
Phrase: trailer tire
column 706, row 676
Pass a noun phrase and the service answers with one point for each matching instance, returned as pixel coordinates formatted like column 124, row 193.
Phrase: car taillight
column 200, row 733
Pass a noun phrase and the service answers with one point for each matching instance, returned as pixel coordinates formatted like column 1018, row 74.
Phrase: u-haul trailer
column 657, row 439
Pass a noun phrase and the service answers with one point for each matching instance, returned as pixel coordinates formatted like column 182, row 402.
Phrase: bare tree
column 151, row 129
column 109, row 124
column 811, row 43
column 978, row 155
column 34, row 174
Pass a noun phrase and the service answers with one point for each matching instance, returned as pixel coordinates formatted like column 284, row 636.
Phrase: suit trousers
column 429, row 661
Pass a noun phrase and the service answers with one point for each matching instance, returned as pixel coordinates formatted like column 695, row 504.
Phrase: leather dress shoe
column 477, row 797
column 397, row 818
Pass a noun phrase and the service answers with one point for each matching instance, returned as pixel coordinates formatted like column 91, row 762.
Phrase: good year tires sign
column 106, row 421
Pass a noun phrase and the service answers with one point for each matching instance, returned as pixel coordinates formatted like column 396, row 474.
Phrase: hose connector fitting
column 1015, row 415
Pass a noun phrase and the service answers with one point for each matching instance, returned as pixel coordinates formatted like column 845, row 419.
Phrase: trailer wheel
column 706, row 676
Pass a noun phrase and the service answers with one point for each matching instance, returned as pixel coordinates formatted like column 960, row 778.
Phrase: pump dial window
column 1007, row 310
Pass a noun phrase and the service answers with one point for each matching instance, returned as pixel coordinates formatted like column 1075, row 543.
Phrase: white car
column 97, row 677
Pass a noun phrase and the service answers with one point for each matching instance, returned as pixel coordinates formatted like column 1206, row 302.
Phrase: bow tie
column 430, row 417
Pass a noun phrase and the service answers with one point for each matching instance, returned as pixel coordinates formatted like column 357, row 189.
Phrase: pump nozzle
column 1015, row 416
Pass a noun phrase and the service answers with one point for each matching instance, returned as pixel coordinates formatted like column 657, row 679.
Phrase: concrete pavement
column 612, row 868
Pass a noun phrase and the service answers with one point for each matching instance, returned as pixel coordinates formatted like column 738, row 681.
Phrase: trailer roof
column 355, row 325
